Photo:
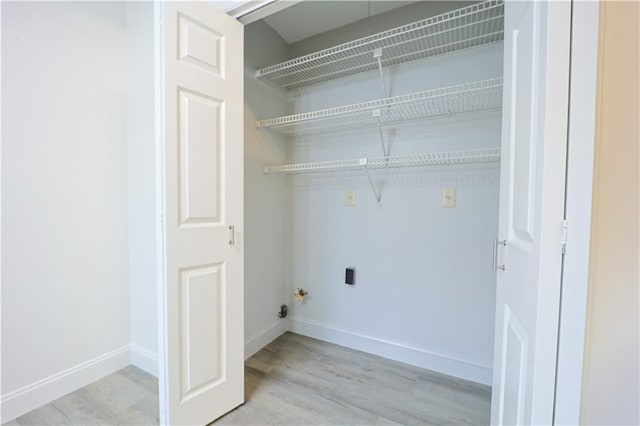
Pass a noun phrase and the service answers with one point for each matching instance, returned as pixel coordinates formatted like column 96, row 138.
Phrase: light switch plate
column 449, row 197
column 350, row 198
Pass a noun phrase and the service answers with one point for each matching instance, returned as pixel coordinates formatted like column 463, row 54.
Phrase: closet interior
column 374, row 146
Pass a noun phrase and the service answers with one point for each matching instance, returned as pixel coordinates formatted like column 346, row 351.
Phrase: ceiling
column 293, row 23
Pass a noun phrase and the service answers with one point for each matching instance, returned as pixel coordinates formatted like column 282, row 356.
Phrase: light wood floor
column 126, row 397
column 295, row 380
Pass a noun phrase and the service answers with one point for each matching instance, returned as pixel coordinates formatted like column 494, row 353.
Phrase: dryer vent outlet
column 283, row 311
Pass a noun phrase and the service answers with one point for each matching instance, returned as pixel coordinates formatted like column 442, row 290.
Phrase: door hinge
column 232, row 235
column 563, row 236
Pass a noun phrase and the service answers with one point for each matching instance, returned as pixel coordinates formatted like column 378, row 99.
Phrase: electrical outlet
column 449, row 197
column 350, row 198
column 350, row 276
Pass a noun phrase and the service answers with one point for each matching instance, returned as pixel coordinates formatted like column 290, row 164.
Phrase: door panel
column 534, row 143
column 525, row 45
column 202, row 346
column 203, row 187
column 201, row 45
column 200, row 138
column 514, row 354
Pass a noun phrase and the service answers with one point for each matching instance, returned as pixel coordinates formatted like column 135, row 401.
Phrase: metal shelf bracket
column 376, row 191
column 385, row 147
column 377, row 55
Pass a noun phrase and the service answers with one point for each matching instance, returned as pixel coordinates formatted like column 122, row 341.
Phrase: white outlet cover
column 350, row 198
column 449, row 198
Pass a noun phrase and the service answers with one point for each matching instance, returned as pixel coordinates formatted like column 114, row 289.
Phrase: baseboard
column 30, row 397
column 419, row 357
column 262, row 338
column 144, row 359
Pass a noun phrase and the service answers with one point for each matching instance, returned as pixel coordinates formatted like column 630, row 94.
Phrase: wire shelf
column 468, row 97
column 472, row 26
column 434, row 159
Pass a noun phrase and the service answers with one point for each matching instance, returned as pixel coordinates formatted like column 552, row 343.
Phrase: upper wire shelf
column 461, row 98
column 471, row 26
column 434, row 159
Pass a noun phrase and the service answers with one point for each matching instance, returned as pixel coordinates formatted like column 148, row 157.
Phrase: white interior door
column 202, row 63
column 534, row 143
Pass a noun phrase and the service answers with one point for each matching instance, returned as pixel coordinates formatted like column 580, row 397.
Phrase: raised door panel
column 201, row 142
column 523, row 127
column 201, row 46
column 202, row 342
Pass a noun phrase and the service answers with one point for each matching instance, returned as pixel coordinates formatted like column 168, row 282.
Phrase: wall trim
column 263, row 337
column 30, row 397
column 145, row 359
column 252, row 11
column 408, row 354
column 578, row 211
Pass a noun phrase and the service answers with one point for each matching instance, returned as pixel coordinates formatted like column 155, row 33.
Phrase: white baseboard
column 419, row 357
column 30, row 397
column 265, row 336
column 144, row 359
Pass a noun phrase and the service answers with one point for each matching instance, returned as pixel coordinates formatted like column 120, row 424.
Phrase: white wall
column 611, row 376
column 141, row 189
column 425, row 291
column 266, row 200
column 65, row 294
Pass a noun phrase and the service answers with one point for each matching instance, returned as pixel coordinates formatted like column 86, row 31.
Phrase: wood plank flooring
column 126, row 397
column 295, row 380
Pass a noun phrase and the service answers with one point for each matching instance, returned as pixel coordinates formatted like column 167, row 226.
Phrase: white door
column 534, row 143
column 203, row 339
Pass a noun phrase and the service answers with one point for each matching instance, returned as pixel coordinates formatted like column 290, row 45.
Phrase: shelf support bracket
column 376, row 191
column 385, row 148
column 377, row 54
